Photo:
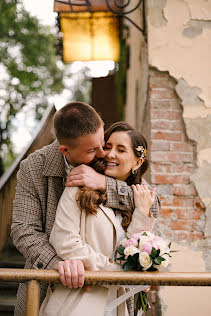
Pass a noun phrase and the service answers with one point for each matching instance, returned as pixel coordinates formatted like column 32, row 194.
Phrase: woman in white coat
column 86, row 229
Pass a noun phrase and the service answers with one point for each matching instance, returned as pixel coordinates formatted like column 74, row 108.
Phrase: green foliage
column 121, row 76
column 28, row 65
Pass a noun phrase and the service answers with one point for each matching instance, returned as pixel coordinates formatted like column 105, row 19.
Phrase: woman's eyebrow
column 118, row 146
column 122, row 146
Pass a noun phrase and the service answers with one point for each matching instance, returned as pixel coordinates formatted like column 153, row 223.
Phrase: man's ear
column 138, row 163
column 63, row 149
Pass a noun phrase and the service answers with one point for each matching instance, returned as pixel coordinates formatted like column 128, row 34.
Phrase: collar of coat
column 54, row 161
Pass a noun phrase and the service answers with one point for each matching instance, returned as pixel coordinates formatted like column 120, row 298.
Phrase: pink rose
column 157, row 238
column 155, row 244
column 131, row 242
column 136, row 236
column 147, row 247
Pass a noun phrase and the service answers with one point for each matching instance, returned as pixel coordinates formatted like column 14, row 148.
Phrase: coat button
column 39, row 265
column 122, row 190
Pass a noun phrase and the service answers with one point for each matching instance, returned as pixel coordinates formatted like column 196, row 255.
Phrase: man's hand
column 86, row 176
column 71, row 273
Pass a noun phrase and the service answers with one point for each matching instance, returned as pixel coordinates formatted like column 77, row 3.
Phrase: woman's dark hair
column 89, row 199
column 137, row 140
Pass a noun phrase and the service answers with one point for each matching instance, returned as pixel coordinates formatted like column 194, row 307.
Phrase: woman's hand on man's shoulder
column 143, row 197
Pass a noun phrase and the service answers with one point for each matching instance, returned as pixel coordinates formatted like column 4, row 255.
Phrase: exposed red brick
column 188, row 225
column 171, row 157
column 182, row 147
column 167, row 125
column 161, row 168
column 169, row 179
column 172, row 161
column 188, row 213
column 187, row 236
column 166, row 212
column 179, row 201
column 165, row 104
column 199, row 203
column 175, row 136
column 165, row 115
column 186, row 189
column 162, row 94
column 166, row 201
column 157, row 145
column 183, row 167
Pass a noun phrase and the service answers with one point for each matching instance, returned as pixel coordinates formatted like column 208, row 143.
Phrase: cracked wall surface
column 170, row 50
column 179, row 42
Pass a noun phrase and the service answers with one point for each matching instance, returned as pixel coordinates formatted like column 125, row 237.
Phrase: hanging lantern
column 88, row 35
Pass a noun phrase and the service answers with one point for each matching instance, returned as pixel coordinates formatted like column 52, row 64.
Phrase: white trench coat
column 91, row 238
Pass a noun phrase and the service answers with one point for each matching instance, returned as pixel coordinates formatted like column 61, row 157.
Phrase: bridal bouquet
column 144, row 252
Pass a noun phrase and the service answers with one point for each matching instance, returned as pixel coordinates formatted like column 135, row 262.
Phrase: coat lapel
column 110, row 214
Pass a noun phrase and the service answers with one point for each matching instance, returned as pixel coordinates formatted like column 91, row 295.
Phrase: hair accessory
column 142, row 150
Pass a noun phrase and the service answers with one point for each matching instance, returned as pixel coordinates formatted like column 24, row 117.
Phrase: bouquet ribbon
column 116, row 302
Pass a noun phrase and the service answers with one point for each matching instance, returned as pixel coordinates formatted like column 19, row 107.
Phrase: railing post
column 32, row 298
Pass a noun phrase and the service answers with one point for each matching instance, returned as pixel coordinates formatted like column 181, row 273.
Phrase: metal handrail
column 33, row 277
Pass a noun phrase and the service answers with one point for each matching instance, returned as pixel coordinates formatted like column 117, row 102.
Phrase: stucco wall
column 179, row 42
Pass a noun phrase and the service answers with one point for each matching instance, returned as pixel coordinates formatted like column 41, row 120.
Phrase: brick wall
column 173, row 160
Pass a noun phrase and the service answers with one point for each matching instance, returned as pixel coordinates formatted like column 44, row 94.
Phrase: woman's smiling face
column 119, row 156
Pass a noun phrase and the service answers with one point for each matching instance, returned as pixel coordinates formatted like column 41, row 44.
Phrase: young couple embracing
column 75, row 200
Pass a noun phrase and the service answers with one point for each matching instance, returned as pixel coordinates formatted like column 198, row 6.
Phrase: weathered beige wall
column 179, row 41
column 182, row 300
column 137, row 74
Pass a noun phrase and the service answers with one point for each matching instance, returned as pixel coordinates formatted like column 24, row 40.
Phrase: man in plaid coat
column 41, row 181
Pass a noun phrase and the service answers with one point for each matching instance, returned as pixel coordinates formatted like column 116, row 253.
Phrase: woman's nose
column 110, row 154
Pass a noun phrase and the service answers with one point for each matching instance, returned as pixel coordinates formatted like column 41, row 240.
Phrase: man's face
column 87, row 149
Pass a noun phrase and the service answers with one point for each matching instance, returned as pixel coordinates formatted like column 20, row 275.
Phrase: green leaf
column 120, row 250
column 161, row 258
column 154, row 252
column 120, row 259
column 128, row 266
column 157, row 261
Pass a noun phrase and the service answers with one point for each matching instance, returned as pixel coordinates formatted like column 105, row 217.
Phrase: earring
column 133, row 171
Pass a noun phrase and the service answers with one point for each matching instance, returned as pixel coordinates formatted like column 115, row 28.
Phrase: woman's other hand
column 143, row 198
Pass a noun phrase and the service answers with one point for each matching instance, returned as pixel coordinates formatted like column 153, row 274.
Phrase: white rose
column 145, row 260
column 130, row 251
column 164, row 264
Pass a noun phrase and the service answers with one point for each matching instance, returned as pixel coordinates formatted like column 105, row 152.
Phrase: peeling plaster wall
column 183, row 57
column 179, row 42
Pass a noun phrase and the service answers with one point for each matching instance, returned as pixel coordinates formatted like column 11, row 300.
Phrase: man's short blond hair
column 75, row 119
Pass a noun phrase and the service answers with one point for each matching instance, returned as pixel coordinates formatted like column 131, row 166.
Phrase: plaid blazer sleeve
column 120, row 196
column 27, row 231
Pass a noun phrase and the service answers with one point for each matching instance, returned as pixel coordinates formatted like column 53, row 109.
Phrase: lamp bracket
column 118, row 7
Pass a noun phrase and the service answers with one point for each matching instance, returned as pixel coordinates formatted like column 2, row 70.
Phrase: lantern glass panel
column 90, row 36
